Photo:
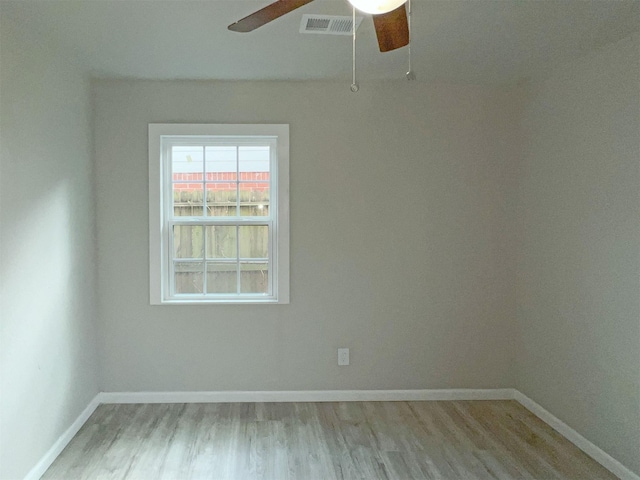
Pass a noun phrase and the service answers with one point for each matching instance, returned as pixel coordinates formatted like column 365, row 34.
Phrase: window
column 218, row 213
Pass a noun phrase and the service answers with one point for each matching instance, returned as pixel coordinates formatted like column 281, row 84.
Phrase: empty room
column 315, row 240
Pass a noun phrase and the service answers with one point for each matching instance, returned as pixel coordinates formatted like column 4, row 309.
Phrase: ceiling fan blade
column 265, row 15
column 392, row 29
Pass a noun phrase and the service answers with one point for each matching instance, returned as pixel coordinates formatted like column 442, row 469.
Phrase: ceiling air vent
column 328, row 24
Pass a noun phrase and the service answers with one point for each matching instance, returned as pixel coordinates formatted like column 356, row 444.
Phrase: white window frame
column 161, row 205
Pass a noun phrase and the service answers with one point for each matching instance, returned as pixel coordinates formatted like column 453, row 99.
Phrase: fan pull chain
column 410, row 74
column 354, row 84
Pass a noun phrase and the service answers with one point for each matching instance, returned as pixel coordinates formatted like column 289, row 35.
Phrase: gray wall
column 579, row 250
column 399, row 241
column 48, row 364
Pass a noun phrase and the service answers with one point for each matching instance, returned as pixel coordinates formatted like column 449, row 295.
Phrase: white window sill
column 226, row 301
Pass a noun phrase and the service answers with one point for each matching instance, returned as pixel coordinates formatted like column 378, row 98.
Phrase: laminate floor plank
column 493, row 452
column 443, row 440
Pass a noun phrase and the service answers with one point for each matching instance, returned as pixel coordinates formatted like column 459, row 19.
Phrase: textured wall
column 579, row 254
column 399, row 243
column 48, row 361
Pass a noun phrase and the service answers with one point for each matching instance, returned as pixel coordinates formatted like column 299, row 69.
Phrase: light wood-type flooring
column 321, row 441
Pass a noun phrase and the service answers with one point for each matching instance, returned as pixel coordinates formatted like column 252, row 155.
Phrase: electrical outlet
column 343, row 356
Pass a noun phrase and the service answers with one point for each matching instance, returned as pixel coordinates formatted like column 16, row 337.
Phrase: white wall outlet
column 343, row 356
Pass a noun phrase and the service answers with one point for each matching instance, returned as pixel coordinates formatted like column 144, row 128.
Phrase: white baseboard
column 599, row 455
column 306, row 396
column 47, row 459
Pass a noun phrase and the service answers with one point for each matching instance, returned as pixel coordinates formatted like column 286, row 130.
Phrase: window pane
column 254, row 160
column 221, row 199
column 187, row 241
column 221, row 164
column 188, row 277
column 221, row 242
column 254, row 277
column 187, row 199
column 187, row 166
column 254, row 199
column 221, row 173
column 222, row 278
column 187, row 159
column 254, row 241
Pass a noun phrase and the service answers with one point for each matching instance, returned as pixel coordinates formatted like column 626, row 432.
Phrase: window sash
column 171, row 220
column 170, row 141
column 205, row 261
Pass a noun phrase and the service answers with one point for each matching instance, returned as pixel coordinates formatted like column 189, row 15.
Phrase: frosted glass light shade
column 376, row 6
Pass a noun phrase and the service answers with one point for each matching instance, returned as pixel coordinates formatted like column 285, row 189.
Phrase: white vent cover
column 328, row 24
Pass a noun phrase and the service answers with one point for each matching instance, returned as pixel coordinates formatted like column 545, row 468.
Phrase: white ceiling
column 492, row 42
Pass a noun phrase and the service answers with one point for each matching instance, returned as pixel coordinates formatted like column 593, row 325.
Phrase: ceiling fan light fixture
column 376, row 6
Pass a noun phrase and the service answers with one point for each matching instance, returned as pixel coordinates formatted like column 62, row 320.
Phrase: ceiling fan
column 389, row 19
